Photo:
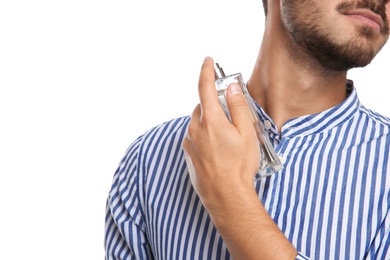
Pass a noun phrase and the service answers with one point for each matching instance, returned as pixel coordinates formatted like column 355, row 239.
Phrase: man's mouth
column 366, row 16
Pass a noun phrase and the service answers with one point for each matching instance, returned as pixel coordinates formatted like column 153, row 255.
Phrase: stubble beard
column 302, row 20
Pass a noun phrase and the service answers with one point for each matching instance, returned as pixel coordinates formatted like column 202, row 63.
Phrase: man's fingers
column 195, row 123
column 207, row 92
column 240, row 111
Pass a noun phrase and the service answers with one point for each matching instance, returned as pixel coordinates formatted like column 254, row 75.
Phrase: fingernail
column 207, row 58
column 235, row 89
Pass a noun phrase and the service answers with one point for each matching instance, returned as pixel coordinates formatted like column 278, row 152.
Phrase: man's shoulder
column 155, row 145
column 164, row 136
column 169, row 129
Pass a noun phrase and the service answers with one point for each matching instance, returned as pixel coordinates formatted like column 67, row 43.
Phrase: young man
column 332, row 198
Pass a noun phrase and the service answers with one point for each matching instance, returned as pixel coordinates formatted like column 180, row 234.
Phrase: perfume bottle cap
column 218, row 71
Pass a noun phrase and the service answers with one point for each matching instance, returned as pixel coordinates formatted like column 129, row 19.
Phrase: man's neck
column 286, row 89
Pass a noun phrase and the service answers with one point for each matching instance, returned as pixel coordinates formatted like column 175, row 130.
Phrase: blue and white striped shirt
column 331, row 200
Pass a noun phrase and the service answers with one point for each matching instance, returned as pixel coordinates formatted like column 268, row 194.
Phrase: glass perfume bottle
column 269, row 160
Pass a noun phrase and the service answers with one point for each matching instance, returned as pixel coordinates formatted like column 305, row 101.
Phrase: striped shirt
column 331, row 200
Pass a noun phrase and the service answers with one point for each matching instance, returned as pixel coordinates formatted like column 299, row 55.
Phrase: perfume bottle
column 269, row 160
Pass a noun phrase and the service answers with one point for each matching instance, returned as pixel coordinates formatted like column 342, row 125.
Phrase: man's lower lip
column 365, row 20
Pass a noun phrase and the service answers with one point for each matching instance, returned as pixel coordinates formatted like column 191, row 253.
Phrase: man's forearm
column 248, row 231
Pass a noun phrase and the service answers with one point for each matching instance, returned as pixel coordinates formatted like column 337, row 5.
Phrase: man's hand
column 225, row 155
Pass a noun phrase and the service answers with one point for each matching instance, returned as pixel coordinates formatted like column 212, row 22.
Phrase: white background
column 80, row 80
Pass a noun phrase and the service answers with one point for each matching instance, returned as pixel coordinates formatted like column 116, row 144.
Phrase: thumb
column 240, row 111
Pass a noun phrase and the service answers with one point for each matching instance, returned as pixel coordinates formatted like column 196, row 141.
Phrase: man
column 332, row 198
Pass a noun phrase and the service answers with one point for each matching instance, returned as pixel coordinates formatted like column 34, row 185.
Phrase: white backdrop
column 80, row 80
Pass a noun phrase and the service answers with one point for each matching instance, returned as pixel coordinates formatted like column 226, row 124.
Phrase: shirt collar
column 315, row 123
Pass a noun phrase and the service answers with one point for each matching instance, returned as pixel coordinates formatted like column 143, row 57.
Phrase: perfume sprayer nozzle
column 218, row 71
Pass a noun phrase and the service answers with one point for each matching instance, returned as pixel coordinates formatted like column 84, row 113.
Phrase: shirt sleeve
column 125, row 236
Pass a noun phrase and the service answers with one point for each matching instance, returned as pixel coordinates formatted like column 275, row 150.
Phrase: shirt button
column 267, row 125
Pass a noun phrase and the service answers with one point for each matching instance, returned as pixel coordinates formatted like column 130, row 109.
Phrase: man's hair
column 265, row 5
